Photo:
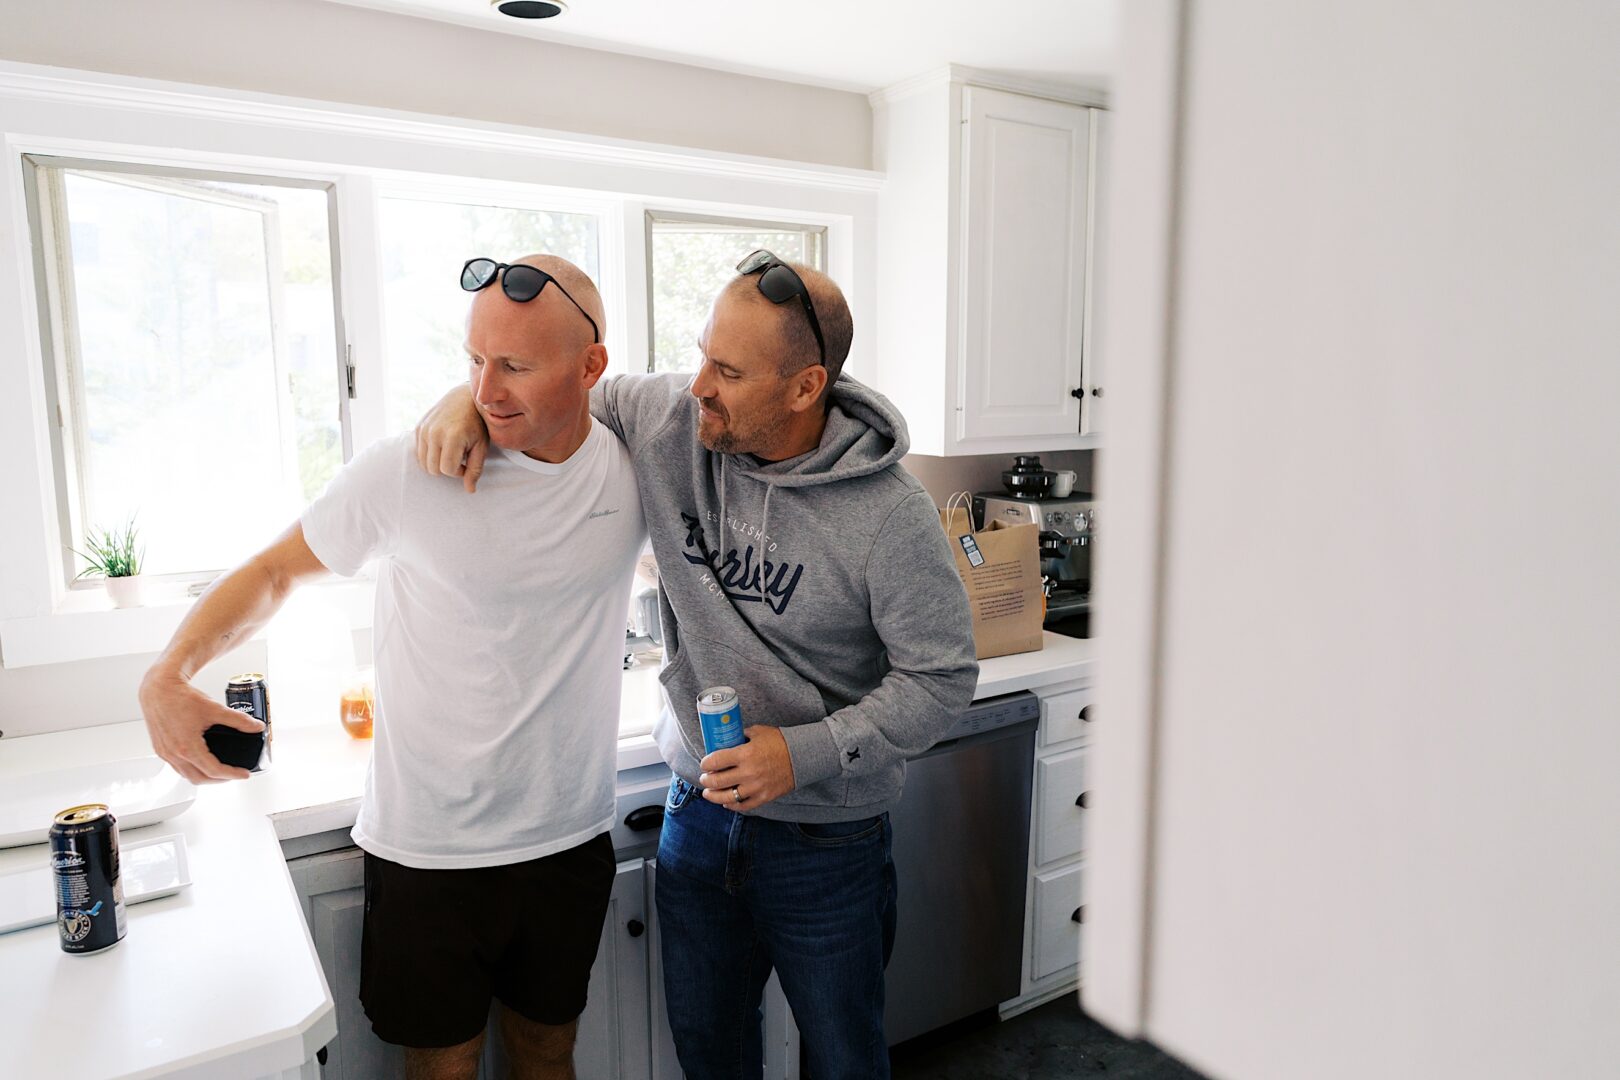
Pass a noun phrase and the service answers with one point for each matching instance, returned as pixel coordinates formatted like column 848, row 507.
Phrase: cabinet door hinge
column 348, row 368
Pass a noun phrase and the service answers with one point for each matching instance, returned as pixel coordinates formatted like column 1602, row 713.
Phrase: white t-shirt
column 499, row 641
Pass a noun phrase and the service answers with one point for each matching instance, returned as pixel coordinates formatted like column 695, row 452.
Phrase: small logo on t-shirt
column 604, row 513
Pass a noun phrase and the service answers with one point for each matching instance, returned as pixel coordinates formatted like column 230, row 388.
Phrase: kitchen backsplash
column 88, row 693
column 943, row 476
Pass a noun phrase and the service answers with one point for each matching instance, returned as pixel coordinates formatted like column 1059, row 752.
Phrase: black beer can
column 89, row 894
column 250, row 694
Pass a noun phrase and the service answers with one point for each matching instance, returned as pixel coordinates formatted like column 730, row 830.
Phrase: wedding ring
column 736, row 796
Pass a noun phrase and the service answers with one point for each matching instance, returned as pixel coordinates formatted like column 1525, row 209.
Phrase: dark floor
column 1054, row 1042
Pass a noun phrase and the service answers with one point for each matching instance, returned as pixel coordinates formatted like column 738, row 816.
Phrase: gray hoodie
column 820, row 587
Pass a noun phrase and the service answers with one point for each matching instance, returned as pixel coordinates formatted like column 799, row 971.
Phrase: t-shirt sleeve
column 356, row 519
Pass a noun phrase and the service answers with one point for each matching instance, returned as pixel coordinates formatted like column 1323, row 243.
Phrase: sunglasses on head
column 780, row 284
column 521, row 283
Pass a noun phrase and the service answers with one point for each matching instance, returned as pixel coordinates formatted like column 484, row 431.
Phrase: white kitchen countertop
column 222, row 980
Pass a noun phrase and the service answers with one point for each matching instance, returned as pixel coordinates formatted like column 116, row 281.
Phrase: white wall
column 1383, row 822
column 334, row 52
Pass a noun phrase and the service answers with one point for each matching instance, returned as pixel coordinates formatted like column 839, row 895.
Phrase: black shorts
column 439, row 944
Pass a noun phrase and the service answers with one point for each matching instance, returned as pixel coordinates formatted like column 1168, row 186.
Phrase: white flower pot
column 125, row 591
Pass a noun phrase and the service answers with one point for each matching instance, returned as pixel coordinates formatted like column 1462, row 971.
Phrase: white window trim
column 56, row 261
column 662, row 215
column 63, row 113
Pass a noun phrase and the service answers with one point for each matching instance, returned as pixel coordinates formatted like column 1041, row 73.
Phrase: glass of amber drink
column 358, row 707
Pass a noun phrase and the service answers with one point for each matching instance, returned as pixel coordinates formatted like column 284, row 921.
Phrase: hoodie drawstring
column 764, row 533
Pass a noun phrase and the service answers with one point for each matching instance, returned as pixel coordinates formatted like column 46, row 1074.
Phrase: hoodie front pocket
column 678, row 681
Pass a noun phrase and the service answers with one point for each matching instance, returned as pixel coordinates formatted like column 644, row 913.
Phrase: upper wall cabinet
column 985, row 247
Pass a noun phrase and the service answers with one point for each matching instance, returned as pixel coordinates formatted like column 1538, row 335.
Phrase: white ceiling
column 847, row 44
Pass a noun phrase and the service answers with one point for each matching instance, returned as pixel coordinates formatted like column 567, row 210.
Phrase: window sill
column 85, row 625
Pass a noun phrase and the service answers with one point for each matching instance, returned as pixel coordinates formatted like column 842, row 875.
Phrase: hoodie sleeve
column 638, row 407
column 920, row 611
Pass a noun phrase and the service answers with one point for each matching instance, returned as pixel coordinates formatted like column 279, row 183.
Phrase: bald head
column 798, row 341
column 576, row 283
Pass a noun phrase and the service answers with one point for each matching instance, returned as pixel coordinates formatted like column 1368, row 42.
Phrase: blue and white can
column 720, row 716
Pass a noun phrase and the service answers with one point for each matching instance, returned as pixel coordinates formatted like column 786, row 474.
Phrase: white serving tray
column 139, row 791
column 149, row 868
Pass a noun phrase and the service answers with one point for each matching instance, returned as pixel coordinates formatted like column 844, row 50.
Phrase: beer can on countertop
column 720, row 716
column 89, row 893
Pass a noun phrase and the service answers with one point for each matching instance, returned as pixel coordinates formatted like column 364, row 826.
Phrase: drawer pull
column 1085, row 714
column 643, row 818
column 1079, row 915
column 1082, row 800
column 636, row 927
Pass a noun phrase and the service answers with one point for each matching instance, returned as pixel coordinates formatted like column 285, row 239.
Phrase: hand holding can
column 720, row 717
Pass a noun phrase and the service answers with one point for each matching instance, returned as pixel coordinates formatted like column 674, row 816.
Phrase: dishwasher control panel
column 997, row 712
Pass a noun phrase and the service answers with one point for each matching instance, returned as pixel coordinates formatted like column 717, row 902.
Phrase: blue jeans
column 739, row 895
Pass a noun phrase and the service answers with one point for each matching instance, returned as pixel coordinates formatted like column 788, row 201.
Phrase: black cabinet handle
column 636, row 927
column 320, row 1055
column 1085, row 714
column 1081, row 801
column 643, row 818
column 1078, row 392
column 1079, row 915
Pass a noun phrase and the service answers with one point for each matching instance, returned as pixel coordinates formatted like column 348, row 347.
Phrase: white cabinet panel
column 1061, row 801
column 985, row 270
column 1058, row 915
column 1025, row 197
column 333, row 888
column 613, row 1035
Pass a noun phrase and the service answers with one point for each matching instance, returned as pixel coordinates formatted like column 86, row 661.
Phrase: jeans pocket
column 834, row 833
column 679, row 792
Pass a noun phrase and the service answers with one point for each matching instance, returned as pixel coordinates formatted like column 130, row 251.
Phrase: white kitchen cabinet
column 613, row 1042
column 985, row 257
column 332, row 889
column 1054, row 910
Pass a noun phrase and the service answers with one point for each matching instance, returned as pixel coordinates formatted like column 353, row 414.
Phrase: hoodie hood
column 864, row 435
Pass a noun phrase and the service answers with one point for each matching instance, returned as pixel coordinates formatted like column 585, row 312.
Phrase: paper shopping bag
column 1001, row 569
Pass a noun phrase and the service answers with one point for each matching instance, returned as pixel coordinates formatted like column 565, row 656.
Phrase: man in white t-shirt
column 498, row 639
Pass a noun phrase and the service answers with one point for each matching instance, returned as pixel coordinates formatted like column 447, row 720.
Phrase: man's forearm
column 238, row 605
column 233, row 609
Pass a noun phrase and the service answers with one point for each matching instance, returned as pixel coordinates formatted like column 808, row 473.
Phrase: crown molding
column 1094, row 97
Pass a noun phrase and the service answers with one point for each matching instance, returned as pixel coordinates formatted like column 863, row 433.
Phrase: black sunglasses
column 780, row 284
column 521, row 283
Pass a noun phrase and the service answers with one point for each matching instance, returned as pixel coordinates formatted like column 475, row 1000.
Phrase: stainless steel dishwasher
column 961, row 855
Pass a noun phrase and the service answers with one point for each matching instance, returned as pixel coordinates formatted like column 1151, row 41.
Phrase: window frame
column 43, row 187
column 537, row 197
column 79, row 114
column 653, row 216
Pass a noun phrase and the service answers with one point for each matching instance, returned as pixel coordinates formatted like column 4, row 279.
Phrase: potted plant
column 114, row 556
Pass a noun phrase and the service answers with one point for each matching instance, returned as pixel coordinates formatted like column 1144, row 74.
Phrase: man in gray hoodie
column 801, row 564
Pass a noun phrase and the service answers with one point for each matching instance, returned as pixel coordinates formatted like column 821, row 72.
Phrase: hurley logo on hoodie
column 739, row 575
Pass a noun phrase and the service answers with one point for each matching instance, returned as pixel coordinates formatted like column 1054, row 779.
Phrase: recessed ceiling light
column 530, row 9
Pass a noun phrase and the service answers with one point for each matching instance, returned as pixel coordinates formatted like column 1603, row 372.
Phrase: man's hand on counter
column 751, row 775
column 177, row 714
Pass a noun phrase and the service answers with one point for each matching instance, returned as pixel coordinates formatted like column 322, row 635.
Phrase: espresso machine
column 1067, row 537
